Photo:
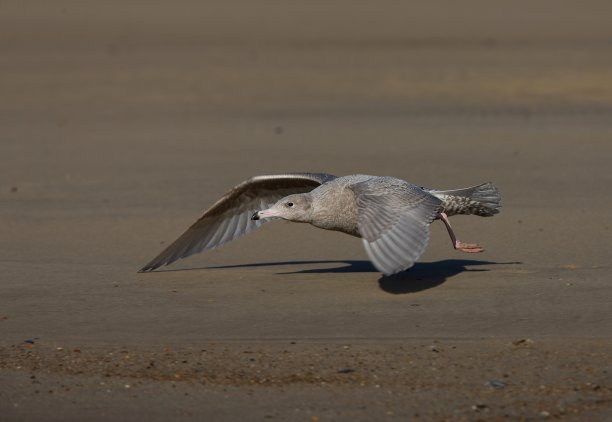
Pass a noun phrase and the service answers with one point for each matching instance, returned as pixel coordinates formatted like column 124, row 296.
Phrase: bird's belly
column 351, row 229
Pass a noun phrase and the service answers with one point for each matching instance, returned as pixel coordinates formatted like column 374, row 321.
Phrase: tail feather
column 483, row 200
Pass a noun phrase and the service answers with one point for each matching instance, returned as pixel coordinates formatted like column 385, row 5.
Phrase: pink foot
column 468, row 247
column 460, row 246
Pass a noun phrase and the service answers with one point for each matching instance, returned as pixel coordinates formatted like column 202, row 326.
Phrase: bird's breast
column 336, row 209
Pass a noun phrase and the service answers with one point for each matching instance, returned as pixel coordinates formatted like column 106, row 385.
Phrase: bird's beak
column 264, row 214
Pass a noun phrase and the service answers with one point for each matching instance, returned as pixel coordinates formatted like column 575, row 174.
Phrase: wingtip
column 150, row 266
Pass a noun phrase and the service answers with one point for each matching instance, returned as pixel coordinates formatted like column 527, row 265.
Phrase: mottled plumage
column 482, row 200
column 391, row 215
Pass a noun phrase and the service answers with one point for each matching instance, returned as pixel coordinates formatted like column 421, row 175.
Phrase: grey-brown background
column 120, row 122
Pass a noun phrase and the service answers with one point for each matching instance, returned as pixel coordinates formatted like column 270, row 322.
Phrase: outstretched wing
column 230, row 216
column 393, row 217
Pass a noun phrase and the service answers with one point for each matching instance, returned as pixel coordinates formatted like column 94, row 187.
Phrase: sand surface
column 122, row 121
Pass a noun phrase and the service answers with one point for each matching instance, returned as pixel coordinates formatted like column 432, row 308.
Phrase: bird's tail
column 483, row 200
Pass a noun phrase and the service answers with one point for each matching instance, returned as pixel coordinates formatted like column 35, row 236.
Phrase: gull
column 390, row 215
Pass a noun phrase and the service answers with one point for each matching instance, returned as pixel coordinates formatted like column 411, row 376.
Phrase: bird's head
column 296, row 208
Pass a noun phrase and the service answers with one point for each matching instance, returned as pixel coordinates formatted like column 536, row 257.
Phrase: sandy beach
column 123, row 121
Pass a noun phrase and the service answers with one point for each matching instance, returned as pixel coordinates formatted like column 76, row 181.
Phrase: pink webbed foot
column 460, row 246
column 468, row 247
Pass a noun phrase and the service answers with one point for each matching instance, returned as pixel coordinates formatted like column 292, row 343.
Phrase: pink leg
column 460, row 246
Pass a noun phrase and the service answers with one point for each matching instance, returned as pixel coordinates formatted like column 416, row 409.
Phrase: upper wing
column 230, row 216
column 393, row 219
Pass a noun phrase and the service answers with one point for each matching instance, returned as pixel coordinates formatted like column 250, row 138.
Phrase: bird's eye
column 289, row 204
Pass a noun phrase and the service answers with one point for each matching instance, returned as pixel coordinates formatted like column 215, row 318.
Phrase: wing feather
column 393, row 219
column 230, row 217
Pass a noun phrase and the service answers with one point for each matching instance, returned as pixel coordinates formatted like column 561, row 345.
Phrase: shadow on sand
column 423, row 276
column 426, row 275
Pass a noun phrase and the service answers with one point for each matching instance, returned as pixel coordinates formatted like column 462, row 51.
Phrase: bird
column 390, row 215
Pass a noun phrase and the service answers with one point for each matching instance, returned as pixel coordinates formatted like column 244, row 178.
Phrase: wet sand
column 122, row 123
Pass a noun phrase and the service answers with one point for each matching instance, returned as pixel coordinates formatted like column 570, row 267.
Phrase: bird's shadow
column 426, row 275
column 422, row 276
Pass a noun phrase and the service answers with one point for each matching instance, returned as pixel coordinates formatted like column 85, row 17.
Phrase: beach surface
column 123, row 121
